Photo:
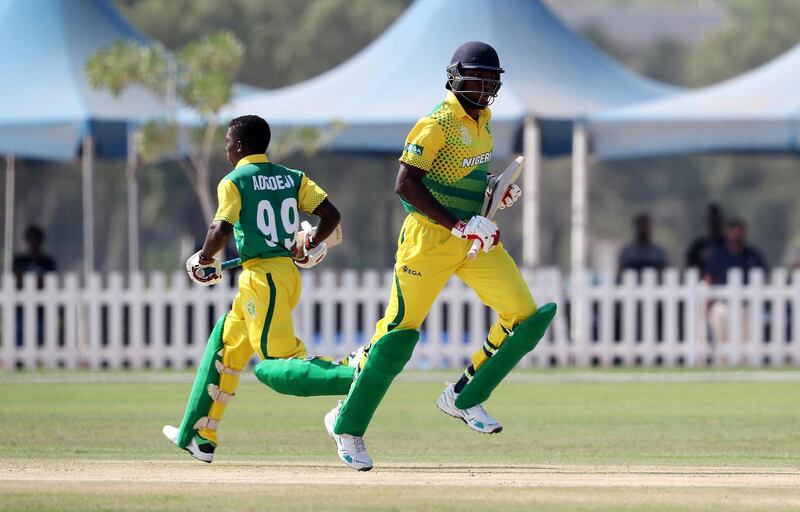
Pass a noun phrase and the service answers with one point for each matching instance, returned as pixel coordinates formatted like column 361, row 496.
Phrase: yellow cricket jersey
column 455, row 150
column 261, row 200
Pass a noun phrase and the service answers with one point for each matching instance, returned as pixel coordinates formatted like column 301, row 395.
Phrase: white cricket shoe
column 203, row 451
column 475, row 417
column 350, row 449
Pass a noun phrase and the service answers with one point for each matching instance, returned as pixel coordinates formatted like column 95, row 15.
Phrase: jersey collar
column 252, row 159
column 459, row 111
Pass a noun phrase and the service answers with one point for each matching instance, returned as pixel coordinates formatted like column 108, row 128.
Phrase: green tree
column 665, row 61
column 201, row 75
column 287, row 41
column 756, row 33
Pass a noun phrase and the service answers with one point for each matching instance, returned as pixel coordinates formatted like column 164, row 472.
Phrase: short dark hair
column 252, row 131
column 737, row 223
column 34, row 232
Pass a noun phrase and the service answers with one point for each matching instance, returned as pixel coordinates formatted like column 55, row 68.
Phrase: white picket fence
column 162, row 321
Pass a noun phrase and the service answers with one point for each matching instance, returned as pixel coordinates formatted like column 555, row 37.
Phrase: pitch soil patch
column 42, row 472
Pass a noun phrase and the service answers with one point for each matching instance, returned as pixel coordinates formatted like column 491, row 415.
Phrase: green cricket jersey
column 262, row 200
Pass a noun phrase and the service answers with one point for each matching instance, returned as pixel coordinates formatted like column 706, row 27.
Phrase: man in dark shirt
column 638, row 255
column 735, row 253
column 700, row 249
column 641, row 253
column 34, row 260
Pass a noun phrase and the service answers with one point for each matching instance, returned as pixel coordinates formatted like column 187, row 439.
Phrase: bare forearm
column 329, row 218
column 218, row 233
column 409, row 186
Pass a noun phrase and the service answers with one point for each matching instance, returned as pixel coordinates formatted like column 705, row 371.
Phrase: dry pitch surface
column 173, row 485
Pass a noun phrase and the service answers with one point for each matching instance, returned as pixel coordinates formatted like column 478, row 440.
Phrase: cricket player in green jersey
column 260, row 204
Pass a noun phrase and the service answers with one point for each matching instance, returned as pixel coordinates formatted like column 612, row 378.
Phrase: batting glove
column 478, row 228
column 511, row 196
column 309, row 254
column 204, row 271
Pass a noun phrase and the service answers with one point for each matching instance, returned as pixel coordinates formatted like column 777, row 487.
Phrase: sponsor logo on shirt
column 466, row 138
column 279, row 182
column 476, row 160
column 414, row 148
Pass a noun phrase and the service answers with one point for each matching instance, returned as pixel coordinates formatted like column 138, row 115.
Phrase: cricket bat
column 333, row 240
column 495, row 190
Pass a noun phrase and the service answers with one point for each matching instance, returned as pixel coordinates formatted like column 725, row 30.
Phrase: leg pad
column 385, row 359
column 519, row 342
column 207, row 374
column 313, row 377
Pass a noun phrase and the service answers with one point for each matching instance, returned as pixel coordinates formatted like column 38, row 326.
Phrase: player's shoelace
column 359, row 443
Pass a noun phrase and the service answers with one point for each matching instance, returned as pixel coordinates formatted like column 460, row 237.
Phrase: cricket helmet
column 480, row 56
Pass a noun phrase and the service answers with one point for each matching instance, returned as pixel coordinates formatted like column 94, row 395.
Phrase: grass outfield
column 567, row 445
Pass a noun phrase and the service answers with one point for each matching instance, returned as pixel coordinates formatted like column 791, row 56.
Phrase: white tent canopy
column 755, row 112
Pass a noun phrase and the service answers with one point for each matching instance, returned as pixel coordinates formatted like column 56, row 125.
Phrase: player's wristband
column 203, row 260
column 458, row 229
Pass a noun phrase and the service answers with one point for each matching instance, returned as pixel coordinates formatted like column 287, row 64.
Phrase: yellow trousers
column 427, row 255
column 260, row 322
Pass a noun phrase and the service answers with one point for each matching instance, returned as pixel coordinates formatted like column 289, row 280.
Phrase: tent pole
column 8, row 238
column 389, row 237
column 531, row 204
column 579, row 172
column 133, row 204
column 88, row 205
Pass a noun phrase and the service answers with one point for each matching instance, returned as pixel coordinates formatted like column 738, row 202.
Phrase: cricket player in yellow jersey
column 259, row 202
column 442, row 181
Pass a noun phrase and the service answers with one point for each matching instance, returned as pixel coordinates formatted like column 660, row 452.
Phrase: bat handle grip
column 227, row 265
column 473, row 251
